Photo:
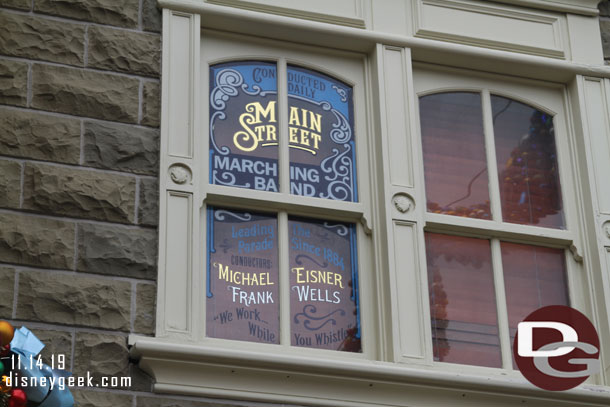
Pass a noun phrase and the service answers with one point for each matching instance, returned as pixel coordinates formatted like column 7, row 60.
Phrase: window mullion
column 283, row 233
column 490, row 147
column 284, row 149
column 284, row 277
column 503, row 325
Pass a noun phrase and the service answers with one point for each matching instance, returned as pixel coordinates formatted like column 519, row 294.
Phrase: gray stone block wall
column 79, row 157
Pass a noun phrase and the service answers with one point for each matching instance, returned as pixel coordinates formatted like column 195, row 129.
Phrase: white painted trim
column 584, row 7
column 179, row 165
column 348, row 38
column 193, row 369
column 557, row 24
column 354, row 20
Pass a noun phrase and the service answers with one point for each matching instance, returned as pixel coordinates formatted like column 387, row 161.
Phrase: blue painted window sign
column 244, row 125
column 243, row 280
column 242, row 276
column 244, row 130
column 321, row 136
column 324, row 304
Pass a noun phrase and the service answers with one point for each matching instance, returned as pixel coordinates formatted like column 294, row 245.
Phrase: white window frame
column 350, row 68
column 397, row 370
column 552, row 99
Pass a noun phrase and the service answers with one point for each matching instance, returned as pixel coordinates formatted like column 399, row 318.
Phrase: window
column 386, row 220
column 284, row 245
column 498, row 226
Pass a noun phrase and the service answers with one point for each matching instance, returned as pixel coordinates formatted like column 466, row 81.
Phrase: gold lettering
column 293, row 135
column 271, row 136
column 298, row 270
column 223, row 274
column 259, row 132
column 247, row 139
column 304, row 138
column 304, row 116
column 317, row 277
column 294, row 117
column 316, row 140
column 241, row 278
column 316, row 122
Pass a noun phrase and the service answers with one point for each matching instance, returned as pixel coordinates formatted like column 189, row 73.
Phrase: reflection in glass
column 527, row 164
column 324, row 306
column 242, row 276
column 462, row 300
column 535, row 277
column 321, row 136
column 244, row 125
column 455, row 165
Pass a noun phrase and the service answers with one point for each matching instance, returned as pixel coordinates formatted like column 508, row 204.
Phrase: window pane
column 455, row 166
column 534, row 277
column 462, row 300
column 321, row 136
column 527, row 164
column 242, row 276
column 243, row 125
column 324, row 305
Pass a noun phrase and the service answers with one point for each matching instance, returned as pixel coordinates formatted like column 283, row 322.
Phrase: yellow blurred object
column 6, row 333
column 4, row 388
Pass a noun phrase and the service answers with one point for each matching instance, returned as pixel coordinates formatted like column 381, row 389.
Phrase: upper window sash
column 541, row 98
column 342, row 108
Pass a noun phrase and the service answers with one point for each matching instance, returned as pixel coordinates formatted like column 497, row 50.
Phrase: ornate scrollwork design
column 309, row 318
column 300, row 257
column 342, row 93
column 342, row 131
column 338, row 170
column 227, row 83
column 340, row 229
column 221, row 214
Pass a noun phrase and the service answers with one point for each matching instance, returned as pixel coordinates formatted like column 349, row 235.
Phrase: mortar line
column 76, row 254
column 28, row 97
column 81, row 159
column 79, row 220
column 83, row 168
column 136, row 205
column 73, row 21
column 65, row 272
column 132, row 319
column 72, row 350
column 70, row 116
column 140, row 15
column 15, row 295
column 70, row 328
column 22, row 184
column 86, row 46
column 140, row 101
column 82, row 69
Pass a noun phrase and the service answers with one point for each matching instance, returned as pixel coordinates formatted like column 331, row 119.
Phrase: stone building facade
column 79, row 162
column 79, row 88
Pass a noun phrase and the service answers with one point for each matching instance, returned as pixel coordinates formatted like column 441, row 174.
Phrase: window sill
column 199, row 370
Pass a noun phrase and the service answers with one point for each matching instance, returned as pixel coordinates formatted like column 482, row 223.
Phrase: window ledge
column 199, row 370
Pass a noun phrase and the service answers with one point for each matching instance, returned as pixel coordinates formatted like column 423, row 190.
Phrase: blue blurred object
column 27, row 346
